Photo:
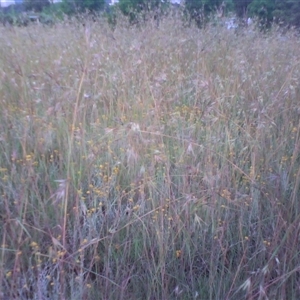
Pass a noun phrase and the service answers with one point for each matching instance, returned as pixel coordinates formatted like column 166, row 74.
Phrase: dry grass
column 151, row 163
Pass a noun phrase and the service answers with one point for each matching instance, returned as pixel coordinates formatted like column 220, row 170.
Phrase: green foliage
column 241, row 7
column 199, row 11
column 137, row 8
column 229, row 5
column 295, row 12
column 14, row 19
column 287, row 12
column 264, row 10
column 128, row 6
column 112, row 14
column 36, row 5
column 68, row 7
column 90, row 5
column 284, row 12
column 52, row 12
column 79, row 6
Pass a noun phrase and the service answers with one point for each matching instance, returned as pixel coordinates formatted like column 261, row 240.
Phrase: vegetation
column 36, row 5
column 79, row 6
column 149, row 163
column 199, row 11
column 283, row 12
column 140, row 10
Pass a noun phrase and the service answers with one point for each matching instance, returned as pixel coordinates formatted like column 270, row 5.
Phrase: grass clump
column 159, row 162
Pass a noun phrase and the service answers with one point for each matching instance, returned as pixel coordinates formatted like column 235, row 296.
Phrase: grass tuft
column 159, row 162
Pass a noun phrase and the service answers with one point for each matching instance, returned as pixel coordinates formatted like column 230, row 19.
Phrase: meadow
column 149, row 162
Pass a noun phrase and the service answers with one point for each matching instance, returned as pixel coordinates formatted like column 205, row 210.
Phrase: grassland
column 149, row 163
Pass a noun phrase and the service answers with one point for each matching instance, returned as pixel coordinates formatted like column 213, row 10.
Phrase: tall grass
column 159, row 162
